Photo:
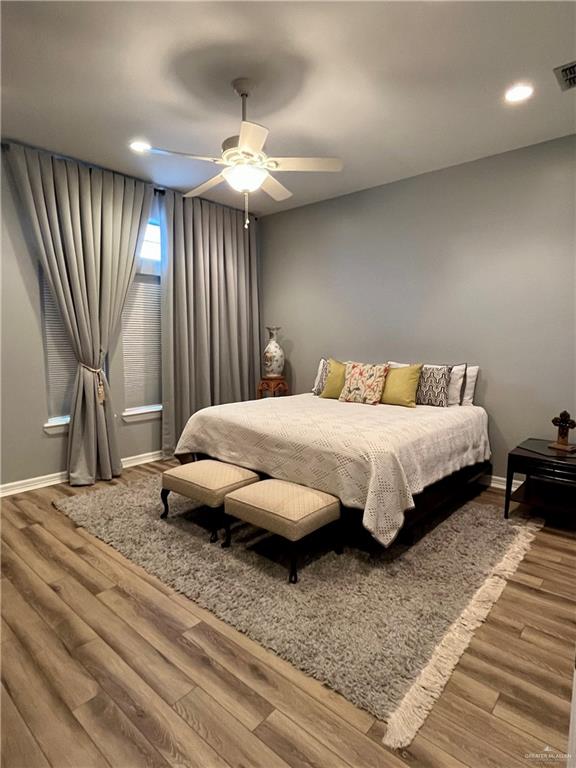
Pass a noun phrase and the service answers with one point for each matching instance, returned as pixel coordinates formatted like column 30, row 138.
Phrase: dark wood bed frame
column 432, row 505
column 440, row 499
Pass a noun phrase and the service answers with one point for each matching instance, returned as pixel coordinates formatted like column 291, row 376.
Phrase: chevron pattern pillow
column 433, row 385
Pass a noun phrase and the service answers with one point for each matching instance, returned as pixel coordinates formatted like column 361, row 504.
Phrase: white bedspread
column 375, row 458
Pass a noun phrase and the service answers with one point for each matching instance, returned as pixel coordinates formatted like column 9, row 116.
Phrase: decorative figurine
column 273, row 355
column 564, row 424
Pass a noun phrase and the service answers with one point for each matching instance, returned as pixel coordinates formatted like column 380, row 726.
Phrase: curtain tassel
column 100, row 389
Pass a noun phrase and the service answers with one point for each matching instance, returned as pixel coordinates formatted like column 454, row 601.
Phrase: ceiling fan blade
column 307, row 163
column 252, row 136
column 160, row 151
column 213, row 182
column 276, row 190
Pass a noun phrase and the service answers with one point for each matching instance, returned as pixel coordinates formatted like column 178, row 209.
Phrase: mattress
column 374, row 458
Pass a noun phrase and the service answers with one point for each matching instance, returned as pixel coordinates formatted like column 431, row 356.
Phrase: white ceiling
column 395, row 89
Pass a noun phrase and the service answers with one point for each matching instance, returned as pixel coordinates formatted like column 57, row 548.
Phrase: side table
column 550, row 477
column 272, row 387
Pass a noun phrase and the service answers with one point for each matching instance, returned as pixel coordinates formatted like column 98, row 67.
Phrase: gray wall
column 472, row 263
column 27, row 450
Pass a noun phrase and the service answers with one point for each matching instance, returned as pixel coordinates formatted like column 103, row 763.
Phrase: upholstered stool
column 287, row 509
column 206, row 482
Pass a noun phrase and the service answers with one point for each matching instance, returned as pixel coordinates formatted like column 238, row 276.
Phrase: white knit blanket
column 372, row 457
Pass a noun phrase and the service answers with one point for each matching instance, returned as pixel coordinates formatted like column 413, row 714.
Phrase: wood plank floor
column 103, row 665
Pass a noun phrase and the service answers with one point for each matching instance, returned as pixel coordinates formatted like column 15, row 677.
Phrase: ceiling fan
column 246, row 166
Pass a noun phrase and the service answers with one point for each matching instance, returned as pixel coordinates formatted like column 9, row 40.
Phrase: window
column 140, row 342
column 61, row 365
column 141, row 332
column 150, row 254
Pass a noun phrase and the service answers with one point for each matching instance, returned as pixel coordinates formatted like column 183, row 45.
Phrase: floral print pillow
column 363, row 383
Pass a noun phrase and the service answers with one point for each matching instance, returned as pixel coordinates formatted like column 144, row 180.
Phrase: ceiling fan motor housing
column 232, row 155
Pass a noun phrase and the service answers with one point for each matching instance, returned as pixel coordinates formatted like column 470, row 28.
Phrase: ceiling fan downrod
column 242, row 87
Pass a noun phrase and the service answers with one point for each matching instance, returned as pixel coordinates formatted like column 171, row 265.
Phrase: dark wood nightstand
column 276, row 387
column 550, row 477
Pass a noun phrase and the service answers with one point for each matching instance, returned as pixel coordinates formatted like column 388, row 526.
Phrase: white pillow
column 320, row 380
column 455, row 388
column 397, row 365
column 471, row 376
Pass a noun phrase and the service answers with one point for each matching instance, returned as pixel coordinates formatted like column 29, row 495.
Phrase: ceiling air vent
column 566, row 76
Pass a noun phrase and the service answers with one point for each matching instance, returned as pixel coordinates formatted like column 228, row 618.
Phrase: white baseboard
column 142, row 458
column 499, row 482
column 33, row 483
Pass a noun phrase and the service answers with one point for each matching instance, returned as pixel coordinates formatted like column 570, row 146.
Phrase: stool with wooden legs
column 206, row 482
column 287, row 509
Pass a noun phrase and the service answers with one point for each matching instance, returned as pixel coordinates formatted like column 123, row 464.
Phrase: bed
column 374, row 458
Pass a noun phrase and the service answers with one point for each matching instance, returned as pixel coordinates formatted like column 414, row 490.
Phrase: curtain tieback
column 97, row 372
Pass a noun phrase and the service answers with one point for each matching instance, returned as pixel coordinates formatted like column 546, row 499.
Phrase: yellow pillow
column 400, row 386
column 335, row 379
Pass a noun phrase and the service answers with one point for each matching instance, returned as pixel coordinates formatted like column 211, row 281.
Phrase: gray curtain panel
column 88, row 225
column 210, row 321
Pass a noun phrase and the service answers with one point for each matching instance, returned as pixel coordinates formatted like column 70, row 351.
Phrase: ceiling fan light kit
column 247, row 166
column 245, row 177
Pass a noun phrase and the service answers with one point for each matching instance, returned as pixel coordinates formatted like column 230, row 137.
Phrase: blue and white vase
column 273, row 355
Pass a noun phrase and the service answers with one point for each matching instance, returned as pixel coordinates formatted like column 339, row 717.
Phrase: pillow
column 320, row 380
column 363, row 383
column 391, row 364
column 457, row 382
column 334, row 379
column 433, row 385
column 400, row 385
column 470, row 384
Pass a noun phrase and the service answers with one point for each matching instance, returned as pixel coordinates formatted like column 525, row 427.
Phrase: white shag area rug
column 383, row 627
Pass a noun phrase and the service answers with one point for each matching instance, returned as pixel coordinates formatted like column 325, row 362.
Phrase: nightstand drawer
column 559, row 474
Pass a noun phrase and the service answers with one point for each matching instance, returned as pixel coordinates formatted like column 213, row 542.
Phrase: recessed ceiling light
column 519, row 92
column 140, row 146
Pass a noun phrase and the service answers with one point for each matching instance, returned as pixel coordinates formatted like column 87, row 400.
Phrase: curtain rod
column 5, row 144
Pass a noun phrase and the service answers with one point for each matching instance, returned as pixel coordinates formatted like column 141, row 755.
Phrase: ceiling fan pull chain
column 246, row 219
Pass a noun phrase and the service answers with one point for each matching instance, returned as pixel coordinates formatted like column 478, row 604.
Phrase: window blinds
column 61, row 364
column 141, row 343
